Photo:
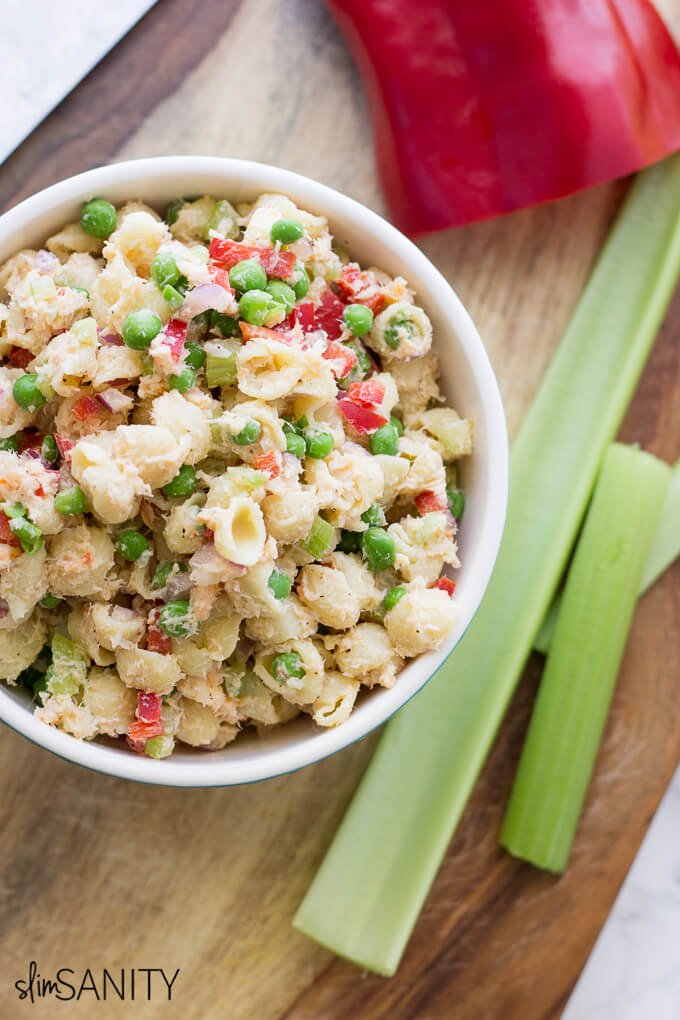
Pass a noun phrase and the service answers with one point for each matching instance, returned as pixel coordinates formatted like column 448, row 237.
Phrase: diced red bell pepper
column 359, row 286
column 141, row 731
column 149, row 707
column 269, row 463
column 250, row 332
column 303, row 315
column 482, row 108
column 175, row 334
column 328, row 314
column 342, row 357
column 428, row 502
column 64, row 445
column 157, row 641
column 19, row 357
column 445, row 584
column 367, row 392
column 220, row 277
column 362, row 419
column 275, row 263
column 7, row 536
column 87, row 407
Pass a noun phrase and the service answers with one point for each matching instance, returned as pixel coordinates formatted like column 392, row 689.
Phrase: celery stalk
column 590, row 635
column 374, row 879
column 664, row 550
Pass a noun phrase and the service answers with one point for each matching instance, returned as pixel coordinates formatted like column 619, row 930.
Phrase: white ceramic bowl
column 467, row 380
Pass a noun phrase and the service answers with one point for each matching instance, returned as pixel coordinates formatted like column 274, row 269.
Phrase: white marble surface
column 46, row 47
column 634, row 969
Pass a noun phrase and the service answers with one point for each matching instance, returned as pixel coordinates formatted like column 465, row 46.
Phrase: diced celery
column 159, row 747
column 372, row 883
column 585, row 653
column 321, row 538
column 220, row 363
column 68, row 670
column 246, row 478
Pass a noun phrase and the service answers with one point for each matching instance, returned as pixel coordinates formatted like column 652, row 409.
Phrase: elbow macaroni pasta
column 218, row 509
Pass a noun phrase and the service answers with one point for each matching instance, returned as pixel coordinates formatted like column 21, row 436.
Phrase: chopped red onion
column 112, row 339
column 114, row 400
column 206, row 297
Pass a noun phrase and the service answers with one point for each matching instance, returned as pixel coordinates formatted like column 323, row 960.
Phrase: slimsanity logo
column 69, row 985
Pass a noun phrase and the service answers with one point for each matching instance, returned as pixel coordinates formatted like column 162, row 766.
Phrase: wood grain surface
column 96, row 872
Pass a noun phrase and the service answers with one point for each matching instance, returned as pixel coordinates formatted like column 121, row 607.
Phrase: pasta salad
column 228, row 484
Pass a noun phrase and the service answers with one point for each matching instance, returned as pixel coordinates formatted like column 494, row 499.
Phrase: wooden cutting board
column 96, row 872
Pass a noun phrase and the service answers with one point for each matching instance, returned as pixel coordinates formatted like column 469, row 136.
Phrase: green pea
column 50, row 602
column 260, row 309
column 183, row 484
column 279, row 584
column 399, row 324
column 98, row 218
column 286, row 231
column 247, row 275
column 49, row 450
column 71, row 502
column 379, row 549
column 393, row 596
column 250, row 433
column 131, row 545
column 172, row 211
column 226, row 325
column 29, row 535
column 194, row 356
column 282, row 293
column 162, row 573
column 456, row 498
column 286, row 665
column 26, row 393
column 358, row 319
column 140, row 328
column 183, row 381
column 164, row 270
column 385, row 440
column 350, row 541
column 173, row 618
column 374, row 516
column 295, row 444
column 299, row 281
column 319, row 444
column 9, row 445
column 397, row 424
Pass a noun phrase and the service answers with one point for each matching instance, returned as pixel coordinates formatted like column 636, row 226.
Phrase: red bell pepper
column 87, row 407
column 343, row 359
column 482, row 108
column 368, row 393
column 275, row 262
column 329, row 314
column 7, row 536
column 269, row 463
column 359, row 286
column 428, row 502
column 175, row 334
column 362, row 419
column 445, row 584
column 250, row 332
column 220, row 277
column 303, row 315
column 64, row 446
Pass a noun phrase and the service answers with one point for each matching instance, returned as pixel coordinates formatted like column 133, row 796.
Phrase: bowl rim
column 204, row 772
